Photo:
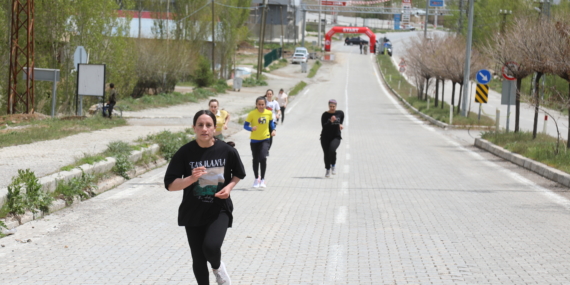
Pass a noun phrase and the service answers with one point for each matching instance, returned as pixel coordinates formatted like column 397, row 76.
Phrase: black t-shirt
column 331, row 130
column 199, row 206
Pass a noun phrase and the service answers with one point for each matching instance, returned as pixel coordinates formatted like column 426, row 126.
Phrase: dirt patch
column 20, row 118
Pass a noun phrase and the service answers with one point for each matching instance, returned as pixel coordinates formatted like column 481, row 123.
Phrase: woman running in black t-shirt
column 331, row 121
column 207, row 169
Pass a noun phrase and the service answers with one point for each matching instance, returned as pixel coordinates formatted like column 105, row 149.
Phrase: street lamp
column 504, row 13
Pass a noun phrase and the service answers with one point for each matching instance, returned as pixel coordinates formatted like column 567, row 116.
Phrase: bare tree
column 560, row 51
column 533, row 51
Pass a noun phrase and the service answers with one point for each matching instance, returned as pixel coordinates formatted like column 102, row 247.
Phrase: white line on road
column 547, row 193
column 346, row 168
column 335, row 265
column 345, row 123
column 348, row 156
column 341, row 215
column 344, row 188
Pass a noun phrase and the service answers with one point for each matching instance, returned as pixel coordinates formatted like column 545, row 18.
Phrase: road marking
column 345, row 123
column 346, row 168
column 348, row 156
column 341, row 215
column 347, row 146
column 336, row 264
column 296, row 102
column 515, row 176
column 344, row 188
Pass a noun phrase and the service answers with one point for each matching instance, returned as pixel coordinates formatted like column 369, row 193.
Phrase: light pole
column 504, row 13
column 426, row 21
column 467, row 70
column 320, row 9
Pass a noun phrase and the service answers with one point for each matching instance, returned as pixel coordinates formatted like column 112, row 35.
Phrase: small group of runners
column 207, row 169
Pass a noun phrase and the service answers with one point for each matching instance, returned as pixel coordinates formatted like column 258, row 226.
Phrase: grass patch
column 441, row 114
column 252, row 81
column 541, row 149
column 55, row 128
column 169, row 99
column 278, row 64
column 169, row 142
column 314, row 69
column 81, row 187
column 300, row 86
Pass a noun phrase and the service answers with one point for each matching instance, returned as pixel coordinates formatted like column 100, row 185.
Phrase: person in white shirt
column 282, row 99
column 274, row 107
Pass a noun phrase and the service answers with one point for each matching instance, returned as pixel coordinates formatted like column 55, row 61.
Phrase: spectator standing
column 112, row 99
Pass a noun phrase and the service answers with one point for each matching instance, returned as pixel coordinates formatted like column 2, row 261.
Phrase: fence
column 271, row 56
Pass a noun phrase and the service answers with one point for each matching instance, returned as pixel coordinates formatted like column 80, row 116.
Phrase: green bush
column 169, row 142
column 203, row 75
column 76, row 187
column 221, row 86
column 118, row 147
column 123, row 165
column 25, row 193
column 250, row 82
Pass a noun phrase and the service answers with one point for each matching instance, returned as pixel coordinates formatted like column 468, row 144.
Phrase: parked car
column 302, row 50
column 355, row 41
column 408, row 27
column 299, row 58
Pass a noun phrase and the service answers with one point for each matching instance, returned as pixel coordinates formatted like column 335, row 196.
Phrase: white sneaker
column 262, row 184
column 328, row 174
column 222, row 277
column 256, row 183
column 333, row 170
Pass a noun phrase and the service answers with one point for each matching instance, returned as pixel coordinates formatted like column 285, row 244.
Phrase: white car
column 302, row 50
column 299, row 58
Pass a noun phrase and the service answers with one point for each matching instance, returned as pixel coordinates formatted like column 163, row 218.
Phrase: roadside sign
column 482, row 94
column 483, row 76
column 509, row 93
column 79, row 56
column 436, row 3
column 508, row 69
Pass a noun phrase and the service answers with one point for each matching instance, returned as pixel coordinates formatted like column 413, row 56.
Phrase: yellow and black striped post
column 482, row 94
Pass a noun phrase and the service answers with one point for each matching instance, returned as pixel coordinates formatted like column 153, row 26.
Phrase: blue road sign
column 436, row 3
column 483, row 76
column 397, row 21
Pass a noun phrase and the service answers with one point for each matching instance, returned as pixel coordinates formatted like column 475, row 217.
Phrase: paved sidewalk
column 409, row 205
column 47, row 157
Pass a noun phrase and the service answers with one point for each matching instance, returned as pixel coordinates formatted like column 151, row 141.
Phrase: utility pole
column 213, row 43
column 320, row 9
column 261, row 39
column 427, row 17
column 467, row 70
column 303, row 28
column 460, row 24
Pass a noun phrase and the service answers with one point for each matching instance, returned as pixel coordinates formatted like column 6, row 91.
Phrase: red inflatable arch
column 350, row 30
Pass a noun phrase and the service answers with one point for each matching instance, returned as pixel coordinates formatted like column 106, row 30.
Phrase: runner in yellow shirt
column 222, row 118
column 260, row 123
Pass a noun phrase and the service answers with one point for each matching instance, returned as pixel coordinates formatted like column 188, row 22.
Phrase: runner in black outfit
column 207, row 169
column 330, row 135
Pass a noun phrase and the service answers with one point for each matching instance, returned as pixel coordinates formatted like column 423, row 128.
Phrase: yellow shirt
column 221, row 120
column 261, row 121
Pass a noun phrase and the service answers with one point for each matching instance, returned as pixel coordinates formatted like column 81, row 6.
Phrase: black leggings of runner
column 259, row 152
column 329, row 150
column 282, row 114
column 206, row 246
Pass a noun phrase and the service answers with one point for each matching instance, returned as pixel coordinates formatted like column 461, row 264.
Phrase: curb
column 534, row 166
column 49, row 182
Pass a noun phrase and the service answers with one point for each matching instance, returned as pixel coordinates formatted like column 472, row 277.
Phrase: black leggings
column 205, row 246
column 259, row 151
column 329, row 150
column 283, row 114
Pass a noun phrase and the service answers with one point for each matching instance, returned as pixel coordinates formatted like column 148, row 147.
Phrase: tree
column 560, row 51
